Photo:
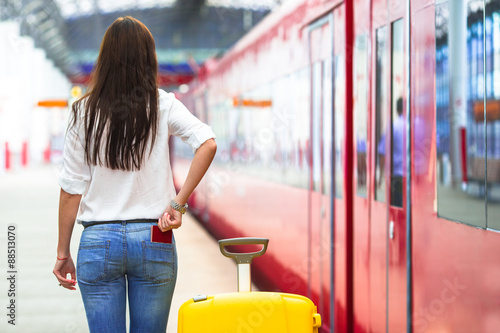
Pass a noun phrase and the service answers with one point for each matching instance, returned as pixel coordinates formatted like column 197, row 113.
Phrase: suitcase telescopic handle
column 243, row 258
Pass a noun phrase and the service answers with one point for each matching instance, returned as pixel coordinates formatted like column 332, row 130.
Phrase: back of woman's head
column 120, row 109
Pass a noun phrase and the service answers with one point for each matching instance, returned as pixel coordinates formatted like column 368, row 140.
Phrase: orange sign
column 492, row 110
column 53, row 103
column 266, row 103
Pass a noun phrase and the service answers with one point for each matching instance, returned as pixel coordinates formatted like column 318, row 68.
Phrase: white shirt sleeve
column 75, row 172
column 190, row 129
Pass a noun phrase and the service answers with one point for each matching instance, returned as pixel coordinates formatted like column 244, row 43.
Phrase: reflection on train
column 468, row 134
column 363, row 138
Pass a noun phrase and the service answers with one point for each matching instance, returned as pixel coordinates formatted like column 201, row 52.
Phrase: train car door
column 327, row 193
column 361, row 217
column 388, row 283
column 321, row 202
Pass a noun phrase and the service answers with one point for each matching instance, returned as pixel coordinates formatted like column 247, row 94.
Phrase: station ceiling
column 72, row 8
column 185, row 31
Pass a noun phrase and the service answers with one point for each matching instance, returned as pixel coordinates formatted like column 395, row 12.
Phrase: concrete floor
column 29, row 201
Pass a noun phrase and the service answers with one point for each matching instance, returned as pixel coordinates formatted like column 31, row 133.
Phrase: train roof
column 292, row 12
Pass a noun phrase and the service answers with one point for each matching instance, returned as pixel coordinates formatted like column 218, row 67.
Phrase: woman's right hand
column 61, row 269
column 171, row 219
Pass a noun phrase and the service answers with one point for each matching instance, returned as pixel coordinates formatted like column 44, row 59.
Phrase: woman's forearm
column 199, row 166
column 68, row 209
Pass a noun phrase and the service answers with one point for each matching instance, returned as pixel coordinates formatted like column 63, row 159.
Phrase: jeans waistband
column 123, row 222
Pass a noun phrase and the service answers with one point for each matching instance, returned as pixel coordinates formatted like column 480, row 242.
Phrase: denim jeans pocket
column 159, row 261
column 92, row 262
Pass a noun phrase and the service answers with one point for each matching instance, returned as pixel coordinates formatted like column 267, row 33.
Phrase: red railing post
column 24, row 154
column 46, row 154
column 7, row 156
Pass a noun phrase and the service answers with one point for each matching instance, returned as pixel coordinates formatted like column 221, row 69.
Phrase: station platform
column 29, row 200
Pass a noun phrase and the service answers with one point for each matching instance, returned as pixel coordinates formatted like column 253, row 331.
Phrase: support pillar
column 457, row 41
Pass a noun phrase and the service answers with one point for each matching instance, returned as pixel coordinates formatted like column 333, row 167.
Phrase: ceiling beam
column 189, row 8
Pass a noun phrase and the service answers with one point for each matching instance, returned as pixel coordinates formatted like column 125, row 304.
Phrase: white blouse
column 124, row 195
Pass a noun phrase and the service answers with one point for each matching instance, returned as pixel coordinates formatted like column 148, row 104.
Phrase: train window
column 265, row 132
column 299, row 130
column 220, row 126
column 398, row 125
column 322, row 126
column 492, row 45
column 380, row 114
column 327, row 127
column 339, row 113
column 460, row 126
column 316, row 125
column 361, row 109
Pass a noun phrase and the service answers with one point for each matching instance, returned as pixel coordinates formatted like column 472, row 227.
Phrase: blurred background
column 48, row 49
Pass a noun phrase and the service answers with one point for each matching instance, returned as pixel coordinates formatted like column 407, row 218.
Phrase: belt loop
column 124, row 223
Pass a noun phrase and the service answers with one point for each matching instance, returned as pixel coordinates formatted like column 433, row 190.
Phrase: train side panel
column 260, row 99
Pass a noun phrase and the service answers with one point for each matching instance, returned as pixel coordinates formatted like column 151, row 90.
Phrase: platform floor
column 29, row 200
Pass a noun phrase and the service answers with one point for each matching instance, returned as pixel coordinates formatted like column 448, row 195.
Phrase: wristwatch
column 177, row 207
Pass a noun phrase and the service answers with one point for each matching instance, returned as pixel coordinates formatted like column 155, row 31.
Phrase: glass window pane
column 493, row 113
column 380, row 112
column 339, row 107
column 327, row 126
column 398, row 125
column 316, row 126
column 361, row 110
column 301, row 100
column 263, row 133
column 460, row 130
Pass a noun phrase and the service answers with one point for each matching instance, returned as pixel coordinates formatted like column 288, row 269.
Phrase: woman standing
column 117, row 182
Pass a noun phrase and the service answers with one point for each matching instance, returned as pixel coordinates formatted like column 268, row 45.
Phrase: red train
column 360, row 137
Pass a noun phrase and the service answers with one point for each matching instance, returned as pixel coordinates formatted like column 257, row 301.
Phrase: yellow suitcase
column 246, row 311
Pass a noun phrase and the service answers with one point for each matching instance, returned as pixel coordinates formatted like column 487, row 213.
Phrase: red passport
column 160, row 237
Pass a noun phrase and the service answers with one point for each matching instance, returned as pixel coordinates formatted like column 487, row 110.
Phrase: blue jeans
column 116, row 259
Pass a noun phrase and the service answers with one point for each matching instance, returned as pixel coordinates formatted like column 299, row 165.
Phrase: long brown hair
column 121, row 105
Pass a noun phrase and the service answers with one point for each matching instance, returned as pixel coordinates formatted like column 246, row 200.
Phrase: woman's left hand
column 171, row 219
column 61, row 269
